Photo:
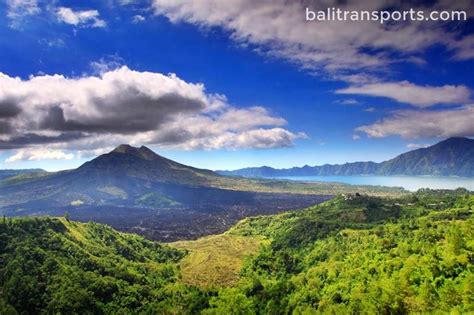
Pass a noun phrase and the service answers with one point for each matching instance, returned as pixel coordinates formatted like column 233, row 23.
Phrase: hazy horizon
column 186, row 158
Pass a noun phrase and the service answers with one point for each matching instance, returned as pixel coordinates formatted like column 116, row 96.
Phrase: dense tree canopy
column 352, row 254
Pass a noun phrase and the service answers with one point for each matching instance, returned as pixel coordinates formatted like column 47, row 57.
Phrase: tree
column 232, row 302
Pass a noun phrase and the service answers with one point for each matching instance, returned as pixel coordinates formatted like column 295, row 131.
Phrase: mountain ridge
column 451, row 157
column 8, row 173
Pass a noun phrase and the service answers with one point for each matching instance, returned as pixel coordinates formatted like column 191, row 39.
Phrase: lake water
column 411, row 183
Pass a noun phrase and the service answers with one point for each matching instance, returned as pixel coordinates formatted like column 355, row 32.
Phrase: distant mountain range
column 451, row 157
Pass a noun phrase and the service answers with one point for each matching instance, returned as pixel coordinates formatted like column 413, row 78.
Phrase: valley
column 206, row 216
column 350, row 254
column 137, row 190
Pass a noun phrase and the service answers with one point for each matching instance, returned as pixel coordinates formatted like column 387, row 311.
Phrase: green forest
column 352, row 254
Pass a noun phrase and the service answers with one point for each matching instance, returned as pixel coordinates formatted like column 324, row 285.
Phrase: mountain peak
column 147, row 153
column 140, row 163
column 142, row 152
column 125, row 148
column 455, row 140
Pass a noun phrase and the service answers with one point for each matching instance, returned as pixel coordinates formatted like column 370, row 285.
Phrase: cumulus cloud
column 416, row 95
column 413, row 124
column 125, row 106
column 279, row 29
column 38, row 154
column 253, row 138
column 86, row 18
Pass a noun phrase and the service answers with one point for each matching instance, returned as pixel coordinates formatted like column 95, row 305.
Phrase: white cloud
column 248, row 139
column 417, row 60
column 278, row 28
column 464, row 48
column 360, row 53
column 125, row 106
column 38, row 154
column 413, row 124
column 417, row 145
column 138, row 19
column 416, row 95
column 18, row 8
column 127, row 2
column 357, row 78
column 86, row 18
column 52, row 43
column 350, row 101
column 106, row 64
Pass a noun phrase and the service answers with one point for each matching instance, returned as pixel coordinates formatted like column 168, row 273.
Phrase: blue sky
column 246, row 92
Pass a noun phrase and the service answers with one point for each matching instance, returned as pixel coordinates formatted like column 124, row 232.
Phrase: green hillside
column 352, row 254
column 61, row 267
column 358, row 254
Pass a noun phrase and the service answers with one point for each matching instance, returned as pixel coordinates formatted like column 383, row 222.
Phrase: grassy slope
column 216, row 260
